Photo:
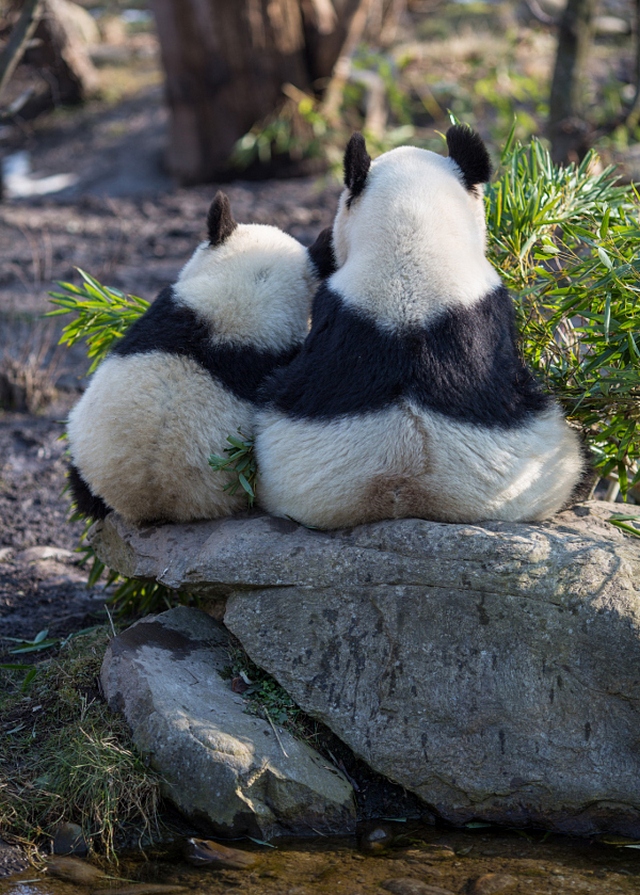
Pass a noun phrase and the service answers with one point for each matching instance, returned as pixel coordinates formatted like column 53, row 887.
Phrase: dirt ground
column 125, row 222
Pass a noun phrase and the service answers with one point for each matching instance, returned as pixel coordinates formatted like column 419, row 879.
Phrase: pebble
column 39, row 554
column 406, row 886
column 428, row 852
column 375, row 839
column 73, row 870
column 206, row 852
column 141, row 889
column 490, row 883
column 69, row 840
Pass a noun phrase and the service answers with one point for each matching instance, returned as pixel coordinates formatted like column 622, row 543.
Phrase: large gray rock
column 492, row 669
column 220, row 765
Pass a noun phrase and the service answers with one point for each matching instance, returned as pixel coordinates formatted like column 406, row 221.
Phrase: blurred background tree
column 274, row 87
column 226, row 64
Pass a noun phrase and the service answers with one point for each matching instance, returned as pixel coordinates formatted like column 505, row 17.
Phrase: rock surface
column 220, row 765
column 492, row 669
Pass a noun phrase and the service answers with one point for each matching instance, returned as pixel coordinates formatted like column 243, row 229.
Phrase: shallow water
column 417, row 861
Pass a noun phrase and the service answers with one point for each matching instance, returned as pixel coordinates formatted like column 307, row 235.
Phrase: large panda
column 409, row 397
column 187, row 373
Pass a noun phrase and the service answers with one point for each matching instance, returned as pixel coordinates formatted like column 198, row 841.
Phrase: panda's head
column 252, row 282
column 409, row 236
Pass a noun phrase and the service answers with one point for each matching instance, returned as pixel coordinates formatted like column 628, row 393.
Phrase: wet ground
column 418, row 861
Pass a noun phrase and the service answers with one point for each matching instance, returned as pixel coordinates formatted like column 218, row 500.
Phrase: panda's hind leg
column 86, row 502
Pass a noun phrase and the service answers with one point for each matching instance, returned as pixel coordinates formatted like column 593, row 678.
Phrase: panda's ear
column 220, row 222
column 357, row 162
column 470, row 155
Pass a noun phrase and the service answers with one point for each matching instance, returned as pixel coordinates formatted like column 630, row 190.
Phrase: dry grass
column 29, row 367
column 64, row 757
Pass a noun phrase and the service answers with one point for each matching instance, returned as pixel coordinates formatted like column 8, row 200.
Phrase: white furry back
column 413, row 242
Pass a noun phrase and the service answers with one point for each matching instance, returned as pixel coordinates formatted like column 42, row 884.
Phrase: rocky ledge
column 493, row 670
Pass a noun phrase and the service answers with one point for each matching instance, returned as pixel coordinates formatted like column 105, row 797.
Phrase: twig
column 273, row 727
column 113, row 627
column 20, row 35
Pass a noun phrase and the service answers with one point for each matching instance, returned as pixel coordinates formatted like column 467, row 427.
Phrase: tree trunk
column 567, row 126
column 226, row 62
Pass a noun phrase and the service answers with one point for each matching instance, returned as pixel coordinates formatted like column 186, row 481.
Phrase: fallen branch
column 21, row 34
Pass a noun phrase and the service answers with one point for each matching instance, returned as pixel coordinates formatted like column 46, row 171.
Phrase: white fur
column 142, row 433
column 413, row 242
column 407, row 462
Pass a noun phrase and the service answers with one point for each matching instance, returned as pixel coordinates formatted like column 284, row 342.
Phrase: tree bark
column 567, row 126
column 226, row 62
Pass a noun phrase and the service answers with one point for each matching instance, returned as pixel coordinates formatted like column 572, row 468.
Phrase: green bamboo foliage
column 566, row 241
column 101, row 314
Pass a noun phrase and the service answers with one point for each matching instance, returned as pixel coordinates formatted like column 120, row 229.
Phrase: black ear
column 357, row 162
column 220, row 222
column 470, row 154
column 321, row 254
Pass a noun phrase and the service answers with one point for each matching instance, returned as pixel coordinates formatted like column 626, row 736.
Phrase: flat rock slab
column 492, row 669
column 221, row 766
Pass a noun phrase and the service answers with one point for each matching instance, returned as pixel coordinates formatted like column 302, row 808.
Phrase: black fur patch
column 86, row 502
column 464, row 364
column 357, row 162
column 321, row 254
column 220, row 222
column 470, row 154
column 175, row 329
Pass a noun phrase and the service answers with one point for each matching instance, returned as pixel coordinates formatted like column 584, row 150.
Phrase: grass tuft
column 65, row 757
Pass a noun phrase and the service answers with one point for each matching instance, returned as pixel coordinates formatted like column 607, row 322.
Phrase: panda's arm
column 347, row 365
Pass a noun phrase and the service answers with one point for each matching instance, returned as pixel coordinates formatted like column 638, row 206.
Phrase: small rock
column 217, row 762
column 490, row 883
column 375, row 840
column 428, row 852
column 406, row 886
column 69, row 840
column 5, row 553
column 205, row 852
column 39, row 554
column 73, row 870
column 141, row 889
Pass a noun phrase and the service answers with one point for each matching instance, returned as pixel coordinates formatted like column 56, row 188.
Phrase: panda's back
column 173, row 328
column 462, row 363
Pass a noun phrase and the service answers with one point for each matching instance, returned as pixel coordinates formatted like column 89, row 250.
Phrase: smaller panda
column 409, row 397
column 187, row 374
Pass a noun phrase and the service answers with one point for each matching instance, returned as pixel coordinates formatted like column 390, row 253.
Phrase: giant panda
column 187, row 373
column 409, row 397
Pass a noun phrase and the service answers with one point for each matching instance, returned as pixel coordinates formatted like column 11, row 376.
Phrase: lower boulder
column 493, row 670
column 231, row 771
